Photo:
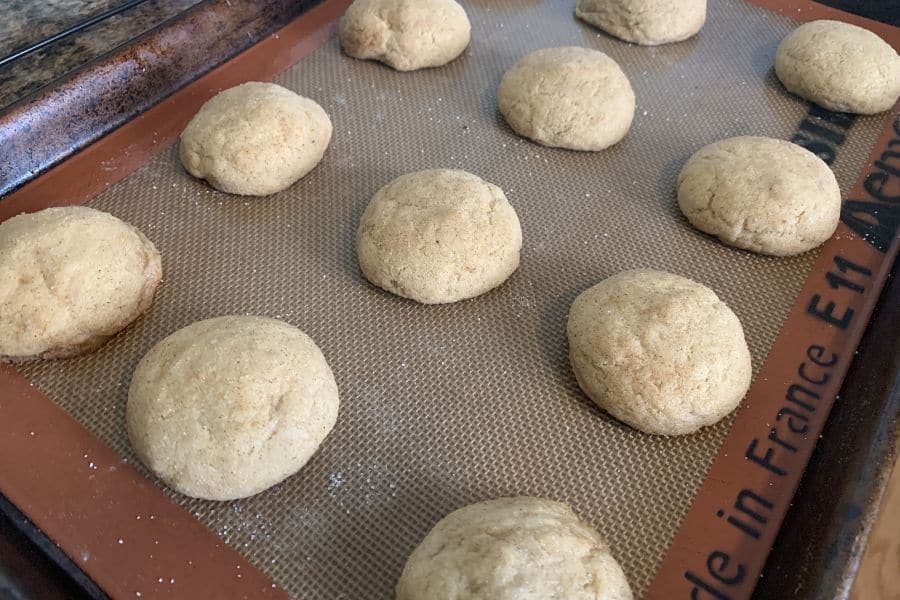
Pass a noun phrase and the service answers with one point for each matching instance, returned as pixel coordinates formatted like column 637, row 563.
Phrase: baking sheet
column 446, row 405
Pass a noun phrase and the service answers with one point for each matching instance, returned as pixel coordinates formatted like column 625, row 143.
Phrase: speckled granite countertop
column 26, row 22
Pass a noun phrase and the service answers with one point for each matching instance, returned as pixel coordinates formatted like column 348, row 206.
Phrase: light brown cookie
column 574, row 98
column 228, row 407
column 405, row 34
column 439, row 236
column 839, row 66
column 659, row 352
column 69, row 279
column 760, row 194
column 511, row 549
column 255, row 139
column 645, row 22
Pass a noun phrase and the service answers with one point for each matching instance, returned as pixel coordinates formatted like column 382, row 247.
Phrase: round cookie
column 645, row 22
column 574, row 98
column 405, row 34
column 510, row 549
column 839, row 66
column 760, row 194
column 659, row 352
column 255, row 139
column 439, row 236
column 227, row 407
column 70, row 278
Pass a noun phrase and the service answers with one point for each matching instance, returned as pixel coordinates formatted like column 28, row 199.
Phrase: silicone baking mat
column 447, row 405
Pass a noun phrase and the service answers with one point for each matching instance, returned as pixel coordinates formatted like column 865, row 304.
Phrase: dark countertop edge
column 44, row 129
column 42, row 559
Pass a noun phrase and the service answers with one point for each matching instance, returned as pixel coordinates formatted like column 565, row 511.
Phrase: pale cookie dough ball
column 439, row 236
column 405, row 34
column 659, row 352
column 255, row 139
column 574, row 98
column 839, row 66
column 760, row 194
column 70, row 278
column 645, row 22
column 513, row 549
column 227, row 407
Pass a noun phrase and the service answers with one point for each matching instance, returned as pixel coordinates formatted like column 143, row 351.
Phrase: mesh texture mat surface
column 447, row 405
